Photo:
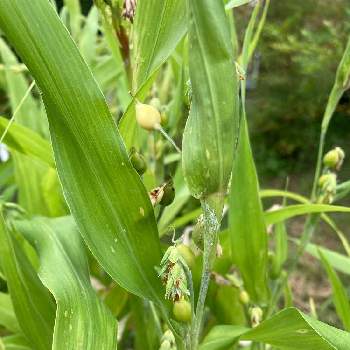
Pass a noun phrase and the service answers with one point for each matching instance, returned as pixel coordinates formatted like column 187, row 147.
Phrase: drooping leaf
column 105, row 194
column 338, row 261
column 340, row 295
column 82, row 321
column 290, row 329
column 31, row 300
column 27, row 141
column 272, row 217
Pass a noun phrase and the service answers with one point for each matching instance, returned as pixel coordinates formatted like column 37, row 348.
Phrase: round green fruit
column 182, row 311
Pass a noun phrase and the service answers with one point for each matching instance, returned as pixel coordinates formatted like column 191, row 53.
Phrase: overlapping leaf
column 31, row 300
column 105, row 194
column 82, row 321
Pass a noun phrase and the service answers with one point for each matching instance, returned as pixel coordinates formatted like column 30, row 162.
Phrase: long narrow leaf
column 105, row 194
column 340, row 297
column 290, row 211
column 23, row 140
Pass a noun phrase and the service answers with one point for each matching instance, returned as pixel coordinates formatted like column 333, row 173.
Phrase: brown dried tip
column 129, row 10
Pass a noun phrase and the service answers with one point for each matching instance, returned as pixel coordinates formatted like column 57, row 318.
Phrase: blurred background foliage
column 290, row 80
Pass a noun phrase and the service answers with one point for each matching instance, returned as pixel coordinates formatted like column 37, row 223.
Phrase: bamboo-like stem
column 212, row 214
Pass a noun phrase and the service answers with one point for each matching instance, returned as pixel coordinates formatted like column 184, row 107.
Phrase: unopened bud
column 256, row 315
column 244, row 297
column 334, row 158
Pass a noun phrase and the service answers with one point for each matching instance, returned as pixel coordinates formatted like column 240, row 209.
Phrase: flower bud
column 138, row 161
column 328, row 186
column 187, row 254
column 147, row 116
column 244, row 297
column 168, row 194
column 182, row 311
column 334, row 158
column 256, row 315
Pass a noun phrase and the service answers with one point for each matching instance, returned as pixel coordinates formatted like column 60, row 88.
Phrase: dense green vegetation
column 132, row 214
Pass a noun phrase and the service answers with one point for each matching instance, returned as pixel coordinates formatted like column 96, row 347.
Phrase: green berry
column 138, row 161
column 244, row 297
column 182, row 311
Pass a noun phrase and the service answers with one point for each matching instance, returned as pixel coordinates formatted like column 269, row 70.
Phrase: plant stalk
column 212, row 212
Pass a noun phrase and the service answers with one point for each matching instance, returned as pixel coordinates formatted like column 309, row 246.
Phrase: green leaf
column 247, row 229
column 27, row 171
column 341, row 84
column 82, row 320
column 290, row 329
column 26, row 141
column 7, row 313
column 338, row 261
column 222, row 337
column 31, row 301
column 74, row 10
column 246, row 221
column 88, row 36
column 159, row 26
column 340, row 296
column 15, row 342
column 105, row 194
column 210, row 132
column 272, row 217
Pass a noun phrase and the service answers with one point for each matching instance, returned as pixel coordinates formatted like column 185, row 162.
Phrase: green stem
column 212, row 213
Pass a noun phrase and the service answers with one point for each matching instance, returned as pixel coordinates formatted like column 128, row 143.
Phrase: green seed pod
column 187, row 254
column 147, row 116
column 168, row 194
column 244, row 297
column 182, row 311
column 138, row 161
